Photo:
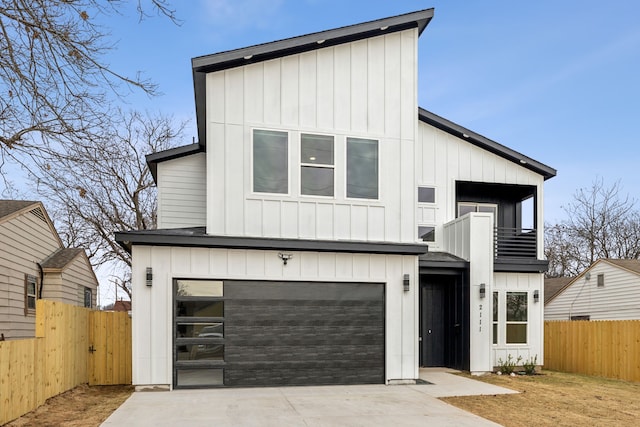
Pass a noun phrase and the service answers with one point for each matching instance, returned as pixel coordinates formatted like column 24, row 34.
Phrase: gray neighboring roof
column 173, row 153
column 632, row 265
column 554, row 285
column 196, row 237
column 60, row 258
column 485, row 143
column 8, row 207
column 277, row 49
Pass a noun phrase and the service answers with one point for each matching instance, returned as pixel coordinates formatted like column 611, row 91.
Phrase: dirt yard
column 557, row 399
column 82, row 406
column 551, row 399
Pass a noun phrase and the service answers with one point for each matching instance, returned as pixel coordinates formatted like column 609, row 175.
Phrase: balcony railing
column 515, row 242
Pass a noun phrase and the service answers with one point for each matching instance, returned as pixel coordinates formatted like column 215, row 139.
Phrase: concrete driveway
column 357, row 405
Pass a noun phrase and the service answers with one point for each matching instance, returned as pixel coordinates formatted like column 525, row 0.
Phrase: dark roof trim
column 278, row 49
column 485, row 143
column 521, row 265
column 170, row 154
column 308, row 42
column 193, row 238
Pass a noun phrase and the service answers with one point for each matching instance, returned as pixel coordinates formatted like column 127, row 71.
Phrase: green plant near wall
column 508, row 365
column 530, row 365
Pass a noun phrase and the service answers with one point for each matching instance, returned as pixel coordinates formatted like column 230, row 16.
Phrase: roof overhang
column 295, row 45
column 196, row 237
column 170, row 154
column 485, row 143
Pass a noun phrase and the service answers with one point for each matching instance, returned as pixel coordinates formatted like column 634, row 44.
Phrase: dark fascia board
column 173, row 153
column 186, row 239
column 427, row 265
column 485, row 143
column 291, row 46
column 521, row 265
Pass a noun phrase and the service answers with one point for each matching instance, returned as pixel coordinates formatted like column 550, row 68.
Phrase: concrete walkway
column 357, row 405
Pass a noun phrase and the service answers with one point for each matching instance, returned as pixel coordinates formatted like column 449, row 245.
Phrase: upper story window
column 270, row 161
column 466, row 207
column 316, row 165
column 426, row 195
column 362, row 168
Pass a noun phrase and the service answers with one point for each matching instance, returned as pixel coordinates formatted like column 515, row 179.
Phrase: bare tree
column 105, row 186
column 601, row 223
column 54, row 85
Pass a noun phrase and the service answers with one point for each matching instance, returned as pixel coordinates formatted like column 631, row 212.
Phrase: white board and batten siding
column 442, row 159
column 618, row 299
column 152, row 334
column 182, row 192
column 25, row 240
column 364, row 89
column 520, row 282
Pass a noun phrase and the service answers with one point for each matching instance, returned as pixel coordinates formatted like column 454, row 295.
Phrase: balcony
column 515, row 243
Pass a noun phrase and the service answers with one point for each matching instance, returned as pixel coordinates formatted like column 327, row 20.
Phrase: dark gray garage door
column 296, row 333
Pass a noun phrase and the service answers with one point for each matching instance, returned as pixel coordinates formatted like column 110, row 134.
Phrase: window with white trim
column 495, row 318
column 316, row 165
column 362, row 168
column 30, row 293
column 426, row 194
column 270, row 161
column 517, row 316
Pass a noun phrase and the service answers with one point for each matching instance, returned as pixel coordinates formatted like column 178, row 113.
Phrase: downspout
column 39, row 296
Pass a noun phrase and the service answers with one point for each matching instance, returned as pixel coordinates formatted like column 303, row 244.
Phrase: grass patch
column 556, row 399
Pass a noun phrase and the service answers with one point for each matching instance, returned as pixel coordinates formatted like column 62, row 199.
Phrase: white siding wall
column 362, row 89
column 152, row 306
column 519, row 282
column 442, row 159
column 618, row 299
column 182, row 192
column 24, row 240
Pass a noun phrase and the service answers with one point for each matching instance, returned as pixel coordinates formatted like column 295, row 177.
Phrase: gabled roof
column 553, row 286
column 60, row 258
column 630, row 265
column 9, row 207
column 12, row 208
column 485, row 143
column 278, row 49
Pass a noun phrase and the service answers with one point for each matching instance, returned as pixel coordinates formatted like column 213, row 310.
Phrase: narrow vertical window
column 495, row 318
column 362, row 168
column 517, row 317
column 30, row 293
column 270, row 162
column 316, row 165
column 88, row 297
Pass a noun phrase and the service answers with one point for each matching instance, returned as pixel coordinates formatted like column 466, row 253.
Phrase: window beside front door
column 517, row 317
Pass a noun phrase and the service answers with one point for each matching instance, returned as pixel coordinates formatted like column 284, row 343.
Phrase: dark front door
column 444, row 320
column 434, row 332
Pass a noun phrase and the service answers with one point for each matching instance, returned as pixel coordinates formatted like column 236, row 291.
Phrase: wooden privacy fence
column 73, row 346
column 604, row 348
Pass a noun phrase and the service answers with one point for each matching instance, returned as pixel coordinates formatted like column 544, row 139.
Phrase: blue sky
column 555, row 80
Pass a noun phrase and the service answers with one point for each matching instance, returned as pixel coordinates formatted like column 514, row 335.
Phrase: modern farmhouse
column 327, row 230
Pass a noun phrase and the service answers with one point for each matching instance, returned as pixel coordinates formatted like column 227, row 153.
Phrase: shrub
column 508, row 366
column 530, row 365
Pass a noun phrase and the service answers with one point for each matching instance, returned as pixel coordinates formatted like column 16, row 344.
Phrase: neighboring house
column 553, row 285
column 34, row 265
column 608, row 290
column 327, row 230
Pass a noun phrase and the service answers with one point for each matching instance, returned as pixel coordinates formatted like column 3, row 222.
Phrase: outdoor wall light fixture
column 149, row 276
column 483, row 291
column 536, row 296
column 405, row 283
column 284, row 257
